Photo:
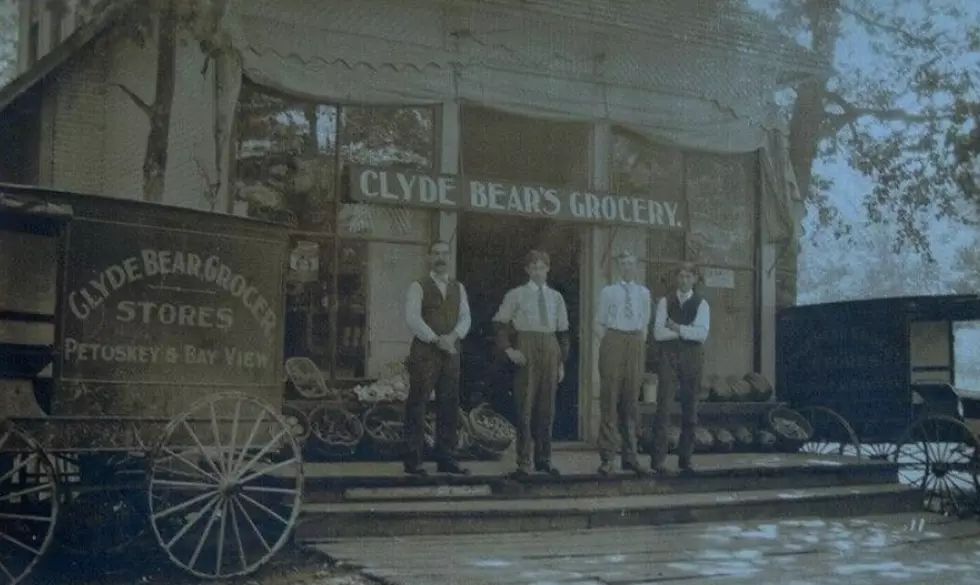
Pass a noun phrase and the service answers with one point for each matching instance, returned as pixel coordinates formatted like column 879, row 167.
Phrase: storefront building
column 376, row 127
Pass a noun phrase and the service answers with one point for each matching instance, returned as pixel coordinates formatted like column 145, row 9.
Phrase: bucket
column 649, row 390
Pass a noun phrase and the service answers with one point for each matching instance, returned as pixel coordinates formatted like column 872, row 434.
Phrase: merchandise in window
column 721, row 203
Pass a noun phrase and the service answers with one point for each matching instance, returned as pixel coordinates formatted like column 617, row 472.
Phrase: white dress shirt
column 413, row 311
column 612, row 308
column 696, row 331
column 520, row 308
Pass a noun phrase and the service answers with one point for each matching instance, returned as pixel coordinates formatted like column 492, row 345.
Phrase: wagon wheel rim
column 832, row 434
column 879, row 451
column 940, row 456
column 224, row 511
column 29, row 504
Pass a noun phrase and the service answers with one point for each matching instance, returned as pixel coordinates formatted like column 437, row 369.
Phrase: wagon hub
column 229, row 487
column 940, row 469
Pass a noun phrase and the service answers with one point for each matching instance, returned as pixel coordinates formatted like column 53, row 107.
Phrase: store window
column 966, row 352
column 349, row 264
column 719, row 191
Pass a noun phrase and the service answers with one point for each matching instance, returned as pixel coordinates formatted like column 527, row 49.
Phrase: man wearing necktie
column 538, row 316
column 622, row 321
column 681, row 328
column 438, row 314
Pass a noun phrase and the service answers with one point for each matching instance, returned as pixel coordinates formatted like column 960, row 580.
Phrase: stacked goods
column 392, row 387
column 673, row 438
column 761, row 388
column 335, row 430
column 307, row 379
column 720, row 390
column 790, row 429
column 298, row 422
column 744, row 438
column 724, row 440
column 489, row 430
column 704, row 441
column 742, row 391
column 384, row 427
column 764, row 440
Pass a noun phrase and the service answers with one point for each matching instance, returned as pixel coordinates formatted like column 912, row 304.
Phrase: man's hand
column 446, row 344
column 515, row 356
column 561, row 372
column 673, row 326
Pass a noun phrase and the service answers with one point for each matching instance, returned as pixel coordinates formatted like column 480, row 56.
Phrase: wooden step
column 320, row 522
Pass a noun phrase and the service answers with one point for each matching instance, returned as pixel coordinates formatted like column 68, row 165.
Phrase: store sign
column 459, row 193
column 144, row 304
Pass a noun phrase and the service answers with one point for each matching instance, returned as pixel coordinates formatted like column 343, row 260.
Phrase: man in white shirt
column 622, row 321
column 438, row 314
column 681, row 327
column 537, row 313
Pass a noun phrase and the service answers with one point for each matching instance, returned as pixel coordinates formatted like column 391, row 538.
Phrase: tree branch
column 897, row 30
column 142, row 105
column 852, row 113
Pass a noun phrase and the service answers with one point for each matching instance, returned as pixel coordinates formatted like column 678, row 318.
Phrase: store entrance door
column 490, row 257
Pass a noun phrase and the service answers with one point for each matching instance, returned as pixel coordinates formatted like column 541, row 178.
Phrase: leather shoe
column 634, row 466
column 547, row 468
column 416, row 470
column 605, row 469
column 451, row 466
column 519, row 475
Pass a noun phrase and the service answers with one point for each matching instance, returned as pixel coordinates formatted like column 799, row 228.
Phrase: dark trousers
column 431, row 368
column 679, row 379
column 534, row 391
column 621, row 357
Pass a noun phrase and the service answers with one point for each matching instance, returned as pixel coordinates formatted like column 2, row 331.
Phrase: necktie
column 629, row 301
column 542, row 308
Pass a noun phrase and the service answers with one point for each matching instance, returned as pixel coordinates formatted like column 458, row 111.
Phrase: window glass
column 966, row 352
column 721, row 203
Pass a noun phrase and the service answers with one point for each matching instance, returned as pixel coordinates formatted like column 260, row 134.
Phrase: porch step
column 805, row 474
column 323, row 522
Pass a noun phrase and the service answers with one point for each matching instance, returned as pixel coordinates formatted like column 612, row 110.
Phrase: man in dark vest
column 681, row 327
column 438, row 314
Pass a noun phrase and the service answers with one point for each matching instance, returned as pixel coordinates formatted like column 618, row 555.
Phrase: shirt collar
column 534, row 286
column 439, row 279
column 684, row 297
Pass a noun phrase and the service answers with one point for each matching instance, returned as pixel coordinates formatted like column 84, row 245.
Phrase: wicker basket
column 761, row 388
column 490, row 430
column 790, row 428
column 334, row 430
column 385, row 430
column 307, row 379
column 724, row 441
column 298, row 421
column 744, row 438
column 463, row 436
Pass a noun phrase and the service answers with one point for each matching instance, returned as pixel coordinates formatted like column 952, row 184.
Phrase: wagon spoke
column 237, row 530
column 197, row 442
column 217, row 440
column 189, row 463
column 268, row 470
column 222, row 524
column 190, row 485
column 26, row 517
column 264, row 508
column 234, row 436
column 251, row 437
column 24, row 462
column 262, row 453
column 204, row 536
column 20, row 544
column 26, row 492
column 6, row 572
column 185, row 505
column 187, row 527
column 269, row 490
column 251, row 523
column 4, row 438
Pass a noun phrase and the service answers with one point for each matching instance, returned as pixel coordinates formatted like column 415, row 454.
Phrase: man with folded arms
column 622, row 320
column 680, row 327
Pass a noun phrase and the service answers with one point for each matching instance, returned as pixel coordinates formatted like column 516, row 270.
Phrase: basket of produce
column 307, row 380
column 334, row 430
column 790, row 428
column 673, row 438
column 764, row 440
column 704, row 441
column 490, row 430
column 761, row 388
column 463, row 435
column 298, row 421
column 720, row 390
column 385, row 429
column 724, row 440
column 744, row 438
column 388, row 390
column 742, row 391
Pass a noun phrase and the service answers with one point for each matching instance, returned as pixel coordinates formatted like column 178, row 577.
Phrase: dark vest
column 683, row 314
column 440, row 314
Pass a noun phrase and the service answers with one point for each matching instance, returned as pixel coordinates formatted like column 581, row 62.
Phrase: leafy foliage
column 8, row 40
column 902, row 108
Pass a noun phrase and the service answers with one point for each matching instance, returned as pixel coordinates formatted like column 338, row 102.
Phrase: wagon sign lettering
column 458, row 193
column 164, row 307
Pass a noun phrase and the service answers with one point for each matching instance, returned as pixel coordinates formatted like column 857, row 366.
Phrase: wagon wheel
column 832, row 434
column 28, row 503
column 105, row 513
column 879, row 451
column 941, row 456
column 225, row 486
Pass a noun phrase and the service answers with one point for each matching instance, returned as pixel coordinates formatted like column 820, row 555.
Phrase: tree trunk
column 158, row 139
